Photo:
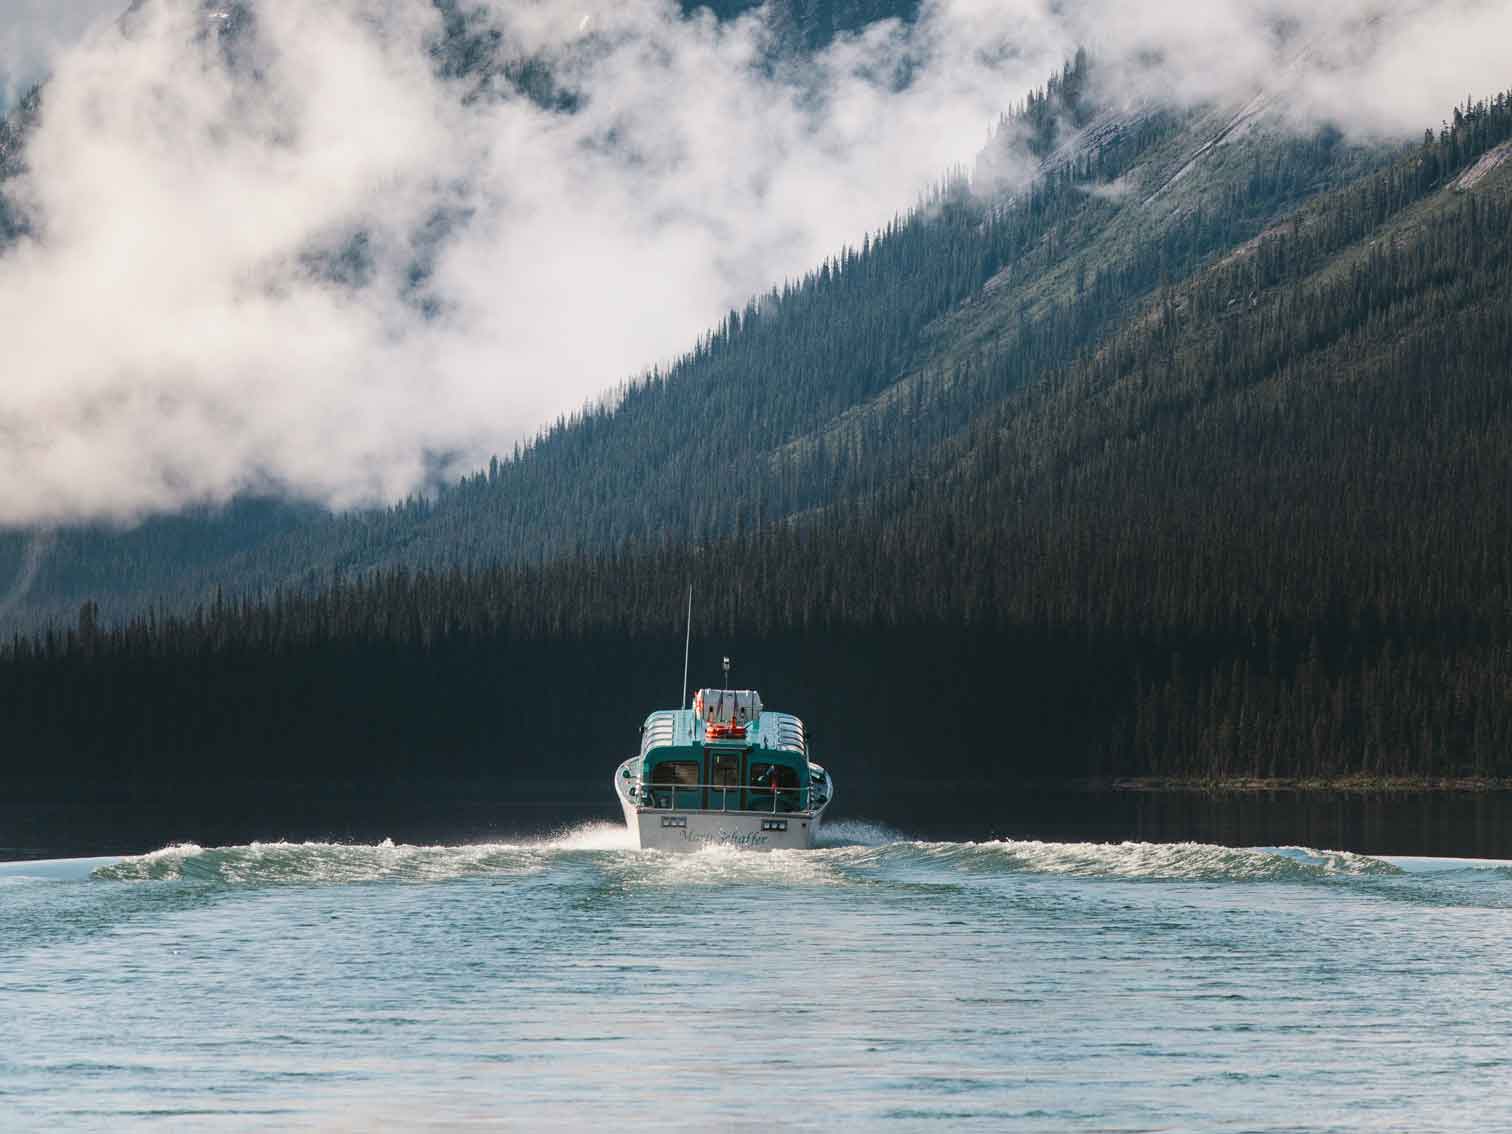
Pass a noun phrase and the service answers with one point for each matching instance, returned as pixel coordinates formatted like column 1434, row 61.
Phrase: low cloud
column 1376, row 68
column 219, row 291
column 33, row 32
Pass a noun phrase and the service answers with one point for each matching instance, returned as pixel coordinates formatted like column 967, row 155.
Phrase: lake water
column 876, row 983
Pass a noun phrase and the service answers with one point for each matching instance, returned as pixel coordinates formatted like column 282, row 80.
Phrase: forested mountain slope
column 1260, row 528
column 176, row 559
column 13, row 130
column 816, row 394
column 811, row 24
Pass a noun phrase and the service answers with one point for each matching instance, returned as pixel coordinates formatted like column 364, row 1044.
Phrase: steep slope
column 814, row 395
column 177, row 558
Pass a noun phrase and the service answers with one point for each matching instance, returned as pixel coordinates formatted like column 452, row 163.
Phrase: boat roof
column 683, row 728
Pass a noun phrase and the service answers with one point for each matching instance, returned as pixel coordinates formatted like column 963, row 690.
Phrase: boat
column 727, row 772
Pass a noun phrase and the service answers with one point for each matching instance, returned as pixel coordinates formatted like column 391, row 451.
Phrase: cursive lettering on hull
column 695, row 831
column 724, row 838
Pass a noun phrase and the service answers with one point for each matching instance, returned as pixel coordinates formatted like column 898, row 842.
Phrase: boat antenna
column 687, row 646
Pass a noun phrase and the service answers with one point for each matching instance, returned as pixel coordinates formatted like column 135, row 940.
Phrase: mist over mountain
column 33, row 32
column 345, row 252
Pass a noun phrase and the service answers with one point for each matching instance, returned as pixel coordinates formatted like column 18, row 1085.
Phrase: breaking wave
column 1173, row 862
column 858, row 833
column 304, row 863
column 293, row 863
column 592, row 837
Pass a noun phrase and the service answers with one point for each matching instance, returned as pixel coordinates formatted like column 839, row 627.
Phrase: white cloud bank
column 168, row 339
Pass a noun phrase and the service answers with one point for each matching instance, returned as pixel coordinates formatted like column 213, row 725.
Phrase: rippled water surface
column 877, row 982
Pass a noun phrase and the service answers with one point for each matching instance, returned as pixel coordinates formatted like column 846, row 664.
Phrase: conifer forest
column 1229, row 502
column 1202, row 480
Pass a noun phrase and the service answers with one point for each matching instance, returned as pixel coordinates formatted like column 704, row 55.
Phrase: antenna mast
column 687, row 646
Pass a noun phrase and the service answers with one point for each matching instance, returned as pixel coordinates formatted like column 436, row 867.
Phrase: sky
column 173, row 332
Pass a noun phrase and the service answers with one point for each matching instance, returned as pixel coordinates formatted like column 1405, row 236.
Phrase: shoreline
column 1347, row 785
column 486, row 793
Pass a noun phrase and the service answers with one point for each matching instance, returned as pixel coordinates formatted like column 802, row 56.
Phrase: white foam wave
column 323, row 862
column 1335, row 862
column 593, row 837
column 858, row 833
column 1192, row 861
column 174, row 852
column 846, row 848
column 1135, row 861
column 313, row 862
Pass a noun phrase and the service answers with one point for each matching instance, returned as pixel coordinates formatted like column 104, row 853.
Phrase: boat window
column 773, row 775
column 684, row 773
column 727, row 770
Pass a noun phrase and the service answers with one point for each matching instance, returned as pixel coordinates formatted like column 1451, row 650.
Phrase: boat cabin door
column 724, row 781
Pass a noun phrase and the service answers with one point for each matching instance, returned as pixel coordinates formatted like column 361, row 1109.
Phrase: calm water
column 877, row 983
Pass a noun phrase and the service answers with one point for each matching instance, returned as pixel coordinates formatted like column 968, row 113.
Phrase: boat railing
column 646, row 794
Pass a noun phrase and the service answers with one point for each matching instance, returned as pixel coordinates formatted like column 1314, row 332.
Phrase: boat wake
column 858, row 833
column 315, row 862
column 1174, row 862
column 848, row 851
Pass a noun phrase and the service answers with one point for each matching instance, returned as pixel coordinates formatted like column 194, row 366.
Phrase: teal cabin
column 725, row 754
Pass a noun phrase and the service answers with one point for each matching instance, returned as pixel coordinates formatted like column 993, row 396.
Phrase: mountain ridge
column 1053, row 232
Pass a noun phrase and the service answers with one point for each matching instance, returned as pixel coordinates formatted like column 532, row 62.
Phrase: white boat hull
column 655, row 828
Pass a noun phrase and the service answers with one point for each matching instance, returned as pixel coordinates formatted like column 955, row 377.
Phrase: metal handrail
column 719, row 787
column 645, row 786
